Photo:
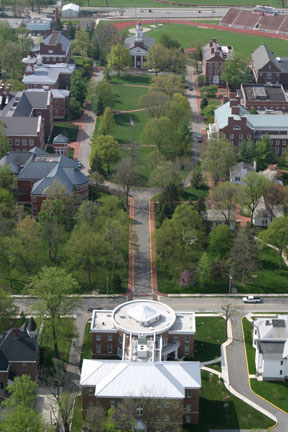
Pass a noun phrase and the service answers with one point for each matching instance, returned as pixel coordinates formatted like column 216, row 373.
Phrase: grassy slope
column 155, row 4
column 242, row 43
column 207, row 346
column 250, row 351
column 128, row 97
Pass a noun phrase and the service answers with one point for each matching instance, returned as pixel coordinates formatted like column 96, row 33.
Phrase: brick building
column 267, row 68
column 235, row 123
column 214, row 56
column 144, row 334
column 138, row 46
column 19, row 354
column 39, row 75
column 55, row 48
column 264, row 97
column 38, row 170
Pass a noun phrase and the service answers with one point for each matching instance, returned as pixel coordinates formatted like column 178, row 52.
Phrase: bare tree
column 154, row 102
column 126, row 175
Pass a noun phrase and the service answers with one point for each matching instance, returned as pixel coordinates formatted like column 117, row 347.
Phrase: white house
column 239, row 171
column 70, row 10
column 220, row 217
column 270, row 340
column 264, row 214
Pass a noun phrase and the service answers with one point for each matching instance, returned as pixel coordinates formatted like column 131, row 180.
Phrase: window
column 188, row 419
column 50, row 51
column 175, row 339
column 284, row 142
column 187, row 339
column 31, row 142
column 56, row 102
column 277, row 150
column 139, row 410
column 264, row 222
column 90, row 404
column 240, row 136
column 281, row 372
column 54, row 58
column 109, row 337
column 237, row 179
column 24, row 367
column 277, row 142
column 281, row 363
column 189, row 393
column 10, row 141
column 1, row 385
column 38, row 113
column 158, row 418
column 236, row 128
column 98, row 337
column 159, row 403
column 98, row 348
column 283, row 150
column 187, row 350
column 91, row 392
column 112, row 403
column 24, row 142
column 17, row 141
column 166, row 417
column 109, row 348
column 188, row 407
column 167, row 403
column 231, row 136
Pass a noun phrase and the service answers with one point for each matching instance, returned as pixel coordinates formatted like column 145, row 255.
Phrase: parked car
column 79, row 164
column 199, row 137
column 251, row 299
column 151, row 70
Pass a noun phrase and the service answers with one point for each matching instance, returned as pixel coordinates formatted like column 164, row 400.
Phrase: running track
column 122, row 25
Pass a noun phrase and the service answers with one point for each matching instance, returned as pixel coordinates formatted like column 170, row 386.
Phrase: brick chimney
column 212, row 50
column 214, row 39
column 8, row 87
column 235, row 110
column 16, row 333
column 56, row 15
column 233, row 103
column 225, row 99
column 1, row 89
column 211, row 43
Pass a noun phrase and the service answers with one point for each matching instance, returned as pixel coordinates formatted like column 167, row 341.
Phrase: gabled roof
column 224, row 111
column 48, row 73
column 147, row 42
column 262, row 210
column 55, row 38
column 219, row 215
column 60, row 139
column 31, row 325
column 71, row 6
column 241, row 166
column 263, row 55
column 24, row 126
column 17, row 345
column 114, row 378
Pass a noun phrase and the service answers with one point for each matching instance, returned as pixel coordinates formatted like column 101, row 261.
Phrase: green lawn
column 250, row 351
column 275, row 392
column 128, row 97
column 65, row 332
column 125, row 133
column 242, row 43
column 145, row 166
column 221, row 410
column 207, row 345
column 67, row 129
column 190, row 193
column 87, row 344
column 269, row 278
column 131, row 79
column 77, row 416
column 155, row 4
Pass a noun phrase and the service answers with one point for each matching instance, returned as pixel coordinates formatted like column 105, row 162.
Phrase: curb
column 131, row 250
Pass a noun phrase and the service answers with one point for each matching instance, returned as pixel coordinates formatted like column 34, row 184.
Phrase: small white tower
column 139, row 32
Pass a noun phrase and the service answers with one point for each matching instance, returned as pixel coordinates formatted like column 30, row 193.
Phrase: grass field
column 250, row 351
column 127, row 98
column 242, row 43
column 221, row 410
column 210, row 334
column 152, row 3
column 125, row 133
column 144, row 80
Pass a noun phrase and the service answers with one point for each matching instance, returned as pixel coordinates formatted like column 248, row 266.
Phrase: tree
column 264, row 153
column 220, row 241
column 51, row 222
column 254, row 188
column 274, row 195
column 197, row 53
column 53, row 286
column 105, row 36
column 65, row 406
column 167, row 41
column 209, row 91
column 82, row 250
column 126, row 175
column 177, row 60
column 203, row 269
column 6, row 178
column 158, row 57
column 235, row 71
column 180, row 241
column 277, row 235
column 106, row 148
column 24, row 246
column 227, row 312
column 168, row 201
column 107, row 122
column 101, row 96
column 244, row 255
column 58, row 25
column 197, row 177
column 5, row 145
column 71, row 30
column 165, row 174
column 119, row 58
column 246, row 152
column 226, row 196
column 80, row 43
column 218, row 157
column 159, row 132
column 11, row 57
column 203, row 103
column 78, row 86
column 22, row 393
column 7, row 310
column 75, row 109
column 86, row 212
column 154, row 102
column 22, row 419
column 168, row 84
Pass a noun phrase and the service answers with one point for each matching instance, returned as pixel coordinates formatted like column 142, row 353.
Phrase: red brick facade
column 27, row 142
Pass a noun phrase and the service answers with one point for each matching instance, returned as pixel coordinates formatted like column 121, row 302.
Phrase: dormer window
column 236, row 128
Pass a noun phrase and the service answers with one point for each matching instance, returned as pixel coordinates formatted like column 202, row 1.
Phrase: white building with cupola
column 138, row 46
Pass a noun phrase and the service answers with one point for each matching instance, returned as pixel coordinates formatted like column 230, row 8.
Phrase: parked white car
column 251, row 299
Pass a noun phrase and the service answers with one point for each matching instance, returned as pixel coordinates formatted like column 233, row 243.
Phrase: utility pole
column 107, row 287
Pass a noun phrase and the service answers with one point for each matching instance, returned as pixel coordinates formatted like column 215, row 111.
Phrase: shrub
column 201, row 80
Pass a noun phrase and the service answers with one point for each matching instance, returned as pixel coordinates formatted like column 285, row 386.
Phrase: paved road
column 166, row 13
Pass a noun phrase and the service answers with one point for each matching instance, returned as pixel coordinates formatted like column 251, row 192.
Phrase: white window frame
column 139, row 410
column 98, row 348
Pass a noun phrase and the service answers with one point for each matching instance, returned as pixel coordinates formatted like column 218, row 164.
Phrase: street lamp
column 230, row 281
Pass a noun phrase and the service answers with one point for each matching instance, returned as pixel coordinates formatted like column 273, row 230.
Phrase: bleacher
column 243, row 18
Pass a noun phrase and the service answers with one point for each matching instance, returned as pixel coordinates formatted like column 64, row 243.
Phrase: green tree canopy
column 244, row 256
column 254, row 188
column 168, row 84
column 5, row 145
column 106, row 148
column 226, row 197
column 218, row 158
column 101, row 96
column 158, row 57
column 107, row 122
column 235, row 71
column 264, row 153
column 220, row 241
column 246, row 152
column 8, row 310
column 159, row 132
column 277, row 235
column 168, row 41
column 119, row 58
column 22, row 393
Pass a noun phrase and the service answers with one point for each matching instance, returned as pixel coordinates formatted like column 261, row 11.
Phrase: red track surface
column 122, row 25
